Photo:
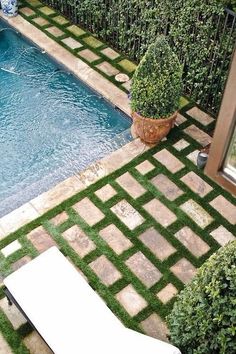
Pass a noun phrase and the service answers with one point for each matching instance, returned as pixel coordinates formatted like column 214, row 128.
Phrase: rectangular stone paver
column 169, row 160
column 197, row 134
column 127, row 65
column 196, row 213
column 115, row 239
column 105, row 270
column 88, row 211
column 222, row 235
column 13, row 314
column 47, row 10
column 36, row 345
column 60, row 20
column 196, row 184
column 143, row 269
column 192, row 242
column 127, row 214
column 71, row 43
column 157, row 243
column 59, row 219
column 41, row 239
column 110, row 53
column 11, row 248
column 131, row 300
column 167, row 293
column 54, row 31
column 145, row 167
column 155, row 327
column 130, row 185
column 200, row 116
column 34, row 3
column 4, row 346
column 184, row 270
column 40, row 21
column 79, row 241
column 160, row 212
column 181, row 145
column 225, row 208
column 27, row 11
column 88, row 55
column 92, row 42
column 105, row 193
column 18, row 264
column 180, row 119
column 107, row 68
column 170, row 190
column 193, row 156
column 77, row 31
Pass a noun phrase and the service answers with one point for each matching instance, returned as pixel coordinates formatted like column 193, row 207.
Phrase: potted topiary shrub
column 156, row 91
column 203, row 318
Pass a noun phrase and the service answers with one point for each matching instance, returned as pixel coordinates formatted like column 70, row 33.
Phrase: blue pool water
column 51, row 124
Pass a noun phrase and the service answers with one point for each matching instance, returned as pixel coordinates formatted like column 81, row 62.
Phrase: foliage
column 229, row 3
column 203, row 320
column 157, row 82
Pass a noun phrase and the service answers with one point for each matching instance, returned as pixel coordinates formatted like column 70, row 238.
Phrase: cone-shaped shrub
column 203, row 319
column 157, row 82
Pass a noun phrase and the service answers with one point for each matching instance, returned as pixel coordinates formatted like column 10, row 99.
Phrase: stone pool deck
column 136, row 224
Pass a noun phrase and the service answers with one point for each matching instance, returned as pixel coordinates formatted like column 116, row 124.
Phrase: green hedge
column 203, row 319
column 157, row 82
column 196, row 28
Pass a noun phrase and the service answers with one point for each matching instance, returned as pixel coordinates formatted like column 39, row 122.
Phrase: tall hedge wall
column 199, row 31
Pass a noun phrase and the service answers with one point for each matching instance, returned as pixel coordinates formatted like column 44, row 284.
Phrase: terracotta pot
column 152, row 130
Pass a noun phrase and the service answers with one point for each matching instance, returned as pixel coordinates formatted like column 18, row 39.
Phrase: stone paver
column 222, row 235
column 170, row 190
column 193, row 156
column 92, row 42
column 40, row 21
column 105, row 270
column 199, row 135
column 160, row 212
column 145, row 167
column 169, row 160
column 71, row 43
column 47, row 10
column 192, row 242
column 55, row 32
column 27, row 11
column 22, row 261
column 107, row 68
column 200, row 116
column 155, row 327
column 115, row 239
column 35, row 344
column 13, row 314
column 127, row 65
column 147, row 273
column 127, row 214
column 79, row 241
column 157, row 243
column 196, row 213
column 181, row 144
column 4, row 346
column 88, row 55
column 131, row 300
column 110, row 53
column 180, row 119
column 196, row 184
column 41, row 239
column 60, row 20
column 11, row 248
column 167, row 293
column 88, row 211
column 59, row 219
column 34, row 3
column 225, row 208
column 130, row 185
column 77, row 31
column 105, row 193
column 184, row 270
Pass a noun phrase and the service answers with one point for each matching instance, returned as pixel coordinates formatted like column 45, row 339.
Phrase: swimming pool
column 51, row 124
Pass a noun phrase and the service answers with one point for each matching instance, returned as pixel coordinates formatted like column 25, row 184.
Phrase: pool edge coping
column 46, row 201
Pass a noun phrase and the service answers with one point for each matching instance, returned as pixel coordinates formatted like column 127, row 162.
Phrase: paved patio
column 138, row 235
